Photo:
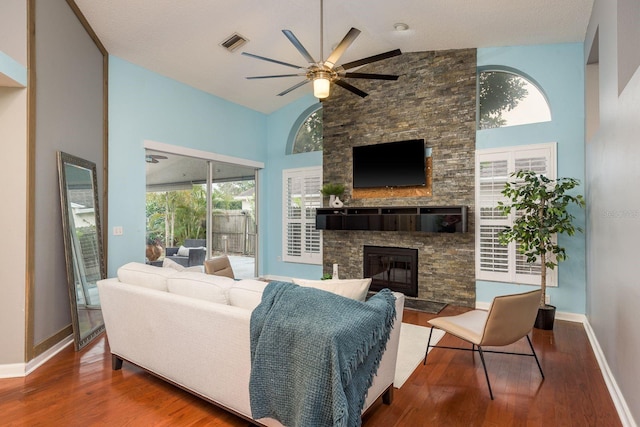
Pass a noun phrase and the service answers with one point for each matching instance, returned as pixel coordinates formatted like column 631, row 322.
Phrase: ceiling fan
column 154, row 158
column 323, row 73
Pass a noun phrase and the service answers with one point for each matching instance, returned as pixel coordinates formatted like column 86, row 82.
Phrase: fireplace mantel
column 428, row 219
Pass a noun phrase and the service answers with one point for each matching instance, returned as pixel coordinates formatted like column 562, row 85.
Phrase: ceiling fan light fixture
column 321, row 85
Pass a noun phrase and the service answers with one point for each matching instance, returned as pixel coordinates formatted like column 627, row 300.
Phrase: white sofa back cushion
column 246, row 293
column 200, row 285
column 148, row 276
column 351, row 288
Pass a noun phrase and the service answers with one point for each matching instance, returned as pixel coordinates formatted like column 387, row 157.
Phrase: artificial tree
column 541, row 207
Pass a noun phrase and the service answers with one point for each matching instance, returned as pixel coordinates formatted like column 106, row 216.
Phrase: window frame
column 308, row 176
column 499, row 255
column 509, row 70
column 297, row 125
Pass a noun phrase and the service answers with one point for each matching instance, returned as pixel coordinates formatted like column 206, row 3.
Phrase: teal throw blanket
column 314, row 354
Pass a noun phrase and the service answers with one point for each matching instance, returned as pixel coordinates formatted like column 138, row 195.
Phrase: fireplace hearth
column 393, row 268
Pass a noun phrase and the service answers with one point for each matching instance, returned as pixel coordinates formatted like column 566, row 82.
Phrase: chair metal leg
column 486, row 374
column 534, row 355
column 428, row 345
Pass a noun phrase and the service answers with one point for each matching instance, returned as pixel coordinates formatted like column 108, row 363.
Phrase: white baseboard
column 12, row 370
column 616, row 395
column 15, row 370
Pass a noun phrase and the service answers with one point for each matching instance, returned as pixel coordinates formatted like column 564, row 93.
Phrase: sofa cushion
column 182, row 251
column 201, row 286
column 246, row 293
column 351, row 288
column 148, row 276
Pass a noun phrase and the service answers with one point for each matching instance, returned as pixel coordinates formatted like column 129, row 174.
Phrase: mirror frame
column 80, row 339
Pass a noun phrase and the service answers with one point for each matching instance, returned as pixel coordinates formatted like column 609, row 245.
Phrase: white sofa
column 192, row 329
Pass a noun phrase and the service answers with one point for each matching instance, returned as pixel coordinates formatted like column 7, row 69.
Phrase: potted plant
column 334, row 191
column 541, row 205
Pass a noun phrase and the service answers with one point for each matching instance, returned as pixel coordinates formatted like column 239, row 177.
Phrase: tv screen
column 393, row 164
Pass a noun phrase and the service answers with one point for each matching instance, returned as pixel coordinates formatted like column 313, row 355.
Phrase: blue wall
column 559, row 71
column 146, row 106
column 279, row 127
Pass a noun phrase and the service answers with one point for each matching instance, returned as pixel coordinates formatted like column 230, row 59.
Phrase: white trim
column 14, row 370
column 626, row 418
column 206, row 155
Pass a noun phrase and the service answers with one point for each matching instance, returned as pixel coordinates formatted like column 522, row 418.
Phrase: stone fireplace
column 435, row 100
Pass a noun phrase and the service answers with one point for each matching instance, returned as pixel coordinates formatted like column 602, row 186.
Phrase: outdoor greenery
column 309, row 137
column 541, row 207
column 499, row 91
column 173, row 216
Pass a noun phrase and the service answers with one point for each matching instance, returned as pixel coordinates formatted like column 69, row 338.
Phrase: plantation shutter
column 301, row 195
column 496, row 262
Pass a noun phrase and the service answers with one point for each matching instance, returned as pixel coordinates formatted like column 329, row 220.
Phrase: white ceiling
column 180, row 38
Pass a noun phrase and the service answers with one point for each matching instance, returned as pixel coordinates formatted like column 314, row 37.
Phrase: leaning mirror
column 82, row 244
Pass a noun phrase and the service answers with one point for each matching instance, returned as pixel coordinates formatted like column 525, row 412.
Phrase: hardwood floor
column 80, row 389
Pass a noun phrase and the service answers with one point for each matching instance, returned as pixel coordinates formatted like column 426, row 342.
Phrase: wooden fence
column 233, row 232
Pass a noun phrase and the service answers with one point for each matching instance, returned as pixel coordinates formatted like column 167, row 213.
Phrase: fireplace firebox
column 393, row 268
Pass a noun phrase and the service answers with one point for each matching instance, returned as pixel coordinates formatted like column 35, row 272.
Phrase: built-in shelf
column 429, row 219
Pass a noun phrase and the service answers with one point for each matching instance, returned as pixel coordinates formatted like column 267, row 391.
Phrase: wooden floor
column 80, row 389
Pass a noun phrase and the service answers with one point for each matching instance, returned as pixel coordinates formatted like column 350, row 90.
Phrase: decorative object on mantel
column 334, row 191
column 335, row 202
column 541, row 204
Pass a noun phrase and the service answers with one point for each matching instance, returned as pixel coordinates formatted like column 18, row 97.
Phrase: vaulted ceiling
column 181, row 39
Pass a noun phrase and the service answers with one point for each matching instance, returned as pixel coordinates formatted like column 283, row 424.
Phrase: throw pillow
column 169, row 263
column 351, row 288
column 182, row 251
column 148, row 276
column 246, row 293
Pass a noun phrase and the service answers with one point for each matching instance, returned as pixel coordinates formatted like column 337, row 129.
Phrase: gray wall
column 69, row 118
column 434, row 99
column 613, row 208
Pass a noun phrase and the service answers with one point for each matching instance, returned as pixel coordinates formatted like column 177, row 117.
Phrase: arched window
column 507, row 98
column 306, row 133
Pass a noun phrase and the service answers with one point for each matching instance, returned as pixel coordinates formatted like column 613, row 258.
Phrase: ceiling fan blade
column 277, row 75
column 299, row 46
column 350, row 88
column 342, row 47
column 275, row 61
column 294, row 87
column 371, row 76
column 371, row 59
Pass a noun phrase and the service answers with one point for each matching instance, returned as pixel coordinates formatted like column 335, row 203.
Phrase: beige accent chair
column 219, row 266
column 510, row 318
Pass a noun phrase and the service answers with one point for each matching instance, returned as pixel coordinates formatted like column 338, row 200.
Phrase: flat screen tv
column 392, row 164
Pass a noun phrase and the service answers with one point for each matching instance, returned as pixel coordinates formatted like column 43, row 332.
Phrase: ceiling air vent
column 233, row 42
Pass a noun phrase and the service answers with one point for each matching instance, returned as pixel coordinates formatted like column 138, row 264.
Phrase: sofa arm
column 170, row 251
column 196, row 256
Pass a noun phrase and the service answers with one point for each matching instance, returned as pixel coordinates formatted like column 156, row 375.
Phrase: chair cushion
column 351, row 288
column 469, row 326
column 183, row 251
column 148, row 276
column 219, row 266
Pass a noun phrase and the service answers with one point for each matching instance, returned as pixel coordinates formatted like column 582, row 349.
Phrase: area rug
column 424, row 305
column 413, row 343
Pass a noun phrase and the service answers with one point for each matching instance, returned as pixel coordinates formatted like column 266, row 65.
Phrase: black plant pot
column 545, row 318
